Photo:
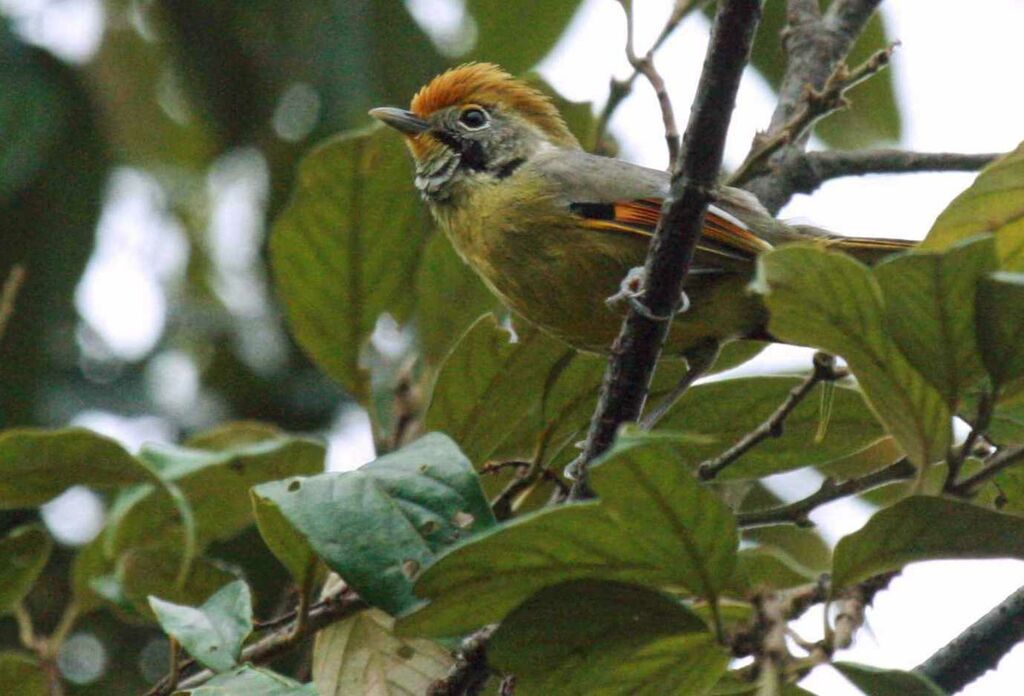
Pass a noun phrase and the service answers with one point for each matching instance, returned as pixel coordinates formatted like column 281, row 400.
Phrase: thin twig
column 1001, row 460
column 810, row 171
column 824, row 371
column 639, row 343
column 979, row 648
column 797, row 512
column 645, row 66
column 9, row 293
column 470, row 671
column 813, row 106
column 620, row 89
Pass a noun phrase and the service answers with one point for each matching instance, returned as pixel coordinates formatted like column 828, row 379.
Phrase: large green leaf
column 251, row 681
column 37, row 465
column 929, row 311
column 376, row 527
column 921, row 528
column 999, row 315
column 216, row 484
column 723, row 412
column 516, row 51
column 283, row 540
column 830, row 301
column 22, row 675
column 23, row 553
column 362, row 655
column 887, row 682
column 655, row 525
column 599, row 637
column 213, row 633
column 344, row 248
column 993, row 203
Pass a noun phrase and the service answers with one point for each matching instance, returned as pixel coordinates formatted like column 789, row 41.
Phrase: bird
column 557, row 233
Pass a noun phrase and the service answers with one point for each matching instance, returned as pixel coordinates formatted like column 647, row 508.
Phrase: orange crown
column 488, row 85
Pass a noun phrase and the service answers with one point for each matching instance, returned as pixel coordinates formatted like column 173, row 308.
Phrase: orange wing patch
column 720, row 235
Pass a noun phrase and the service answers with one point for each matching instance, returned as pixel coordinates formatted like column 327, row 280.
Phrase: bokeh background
column 145, row 146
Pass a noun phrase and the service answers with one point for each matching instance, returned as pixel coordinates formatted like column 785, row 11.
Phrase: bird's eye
column 473, row 118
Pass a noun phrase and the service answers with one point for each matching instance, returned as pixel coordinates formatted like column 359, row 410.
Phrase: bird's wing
column 611, row 195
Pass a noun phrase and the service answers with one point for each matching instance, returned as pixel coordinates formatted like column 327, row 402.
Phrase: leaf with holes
column 830, row 301
column 362, row 655
column 589, row 636
column 213, row 633
column 376, row 527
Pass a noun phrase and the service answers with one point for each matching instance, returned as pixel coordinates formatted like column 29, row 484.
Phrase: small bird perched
column 554, row 231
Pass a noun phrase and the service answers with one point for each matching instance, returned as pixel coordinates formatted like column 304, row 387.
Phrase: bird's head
column 475, row 125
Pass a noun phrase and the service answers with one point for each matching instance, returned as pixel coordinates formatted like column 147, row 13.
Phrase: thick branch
column 815, row 47
column 979, row 648
column 797, row 513
column 638, row 345
column 470, row 671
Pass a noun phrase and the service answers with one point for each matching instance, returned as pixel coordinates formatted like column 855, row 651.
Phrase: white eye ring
column 474, row 118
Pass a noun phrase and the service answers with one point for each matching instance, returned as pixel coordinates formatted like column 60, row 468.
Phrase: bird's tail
column 869, row 250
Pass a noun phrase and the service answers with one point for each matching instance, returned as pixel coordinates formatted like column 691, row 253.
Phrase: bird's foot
column 632, row 289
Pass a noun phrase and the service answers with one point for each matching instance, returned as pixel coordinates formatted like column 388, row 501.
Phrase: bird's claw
column 632, row 288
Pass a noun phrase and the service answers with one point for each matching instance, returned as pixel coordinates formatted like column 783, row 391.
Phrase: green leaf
column 830, row 301
column 516, row 51
column 999, row 316
column 139, row 574
column 213, row 633
column 887, row 682
column 216, row 484
column 921, row 528
column 767, row 568
column 929, row 311
column 23, row 554
column 993, row 203
column 362, row 655
column 378, row 526
column 38, row 465
column 594, row 637
column 488, row 386
column 724, row 411
column 343, row 250
column 283, row 540
column 251, row 681
column 655, row 525
column 22, row 675
column 441, row 276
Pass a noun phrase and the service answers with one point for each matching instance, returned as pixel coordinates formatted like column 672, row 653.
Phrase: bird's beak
column 401, row 120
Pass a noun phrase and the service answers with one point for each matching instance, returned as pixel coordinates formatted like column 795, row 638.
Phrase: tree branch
column 993, row 465
column 815, row 47
column 470, row 671
column 979, row 648
column 8, row 294
column 824, row 371
column 639, row 343
column 797, row 512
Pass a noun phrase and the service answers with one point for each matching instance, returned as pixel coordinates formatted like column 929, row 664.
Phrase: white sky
column 957, row 78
